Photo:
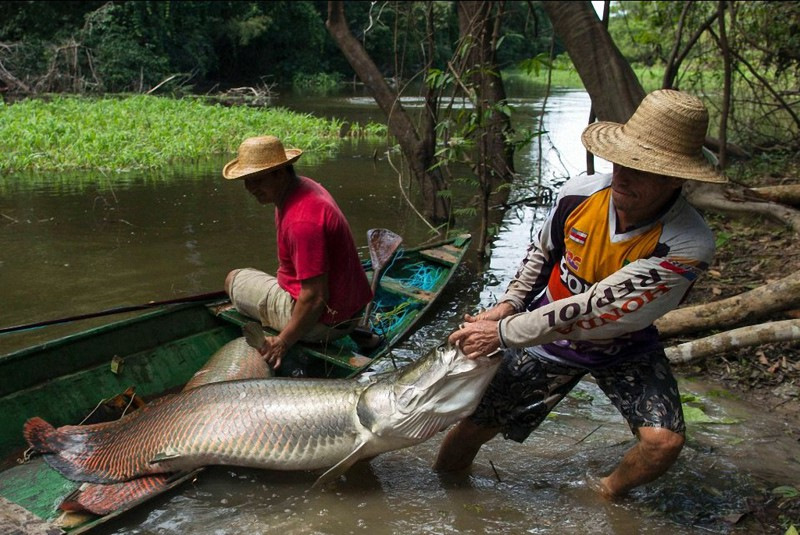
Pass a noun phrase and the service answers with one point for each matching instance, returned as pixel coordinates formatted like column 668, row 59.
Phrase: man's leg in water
column 646, row 394
column 461, row 445
column 650, row 458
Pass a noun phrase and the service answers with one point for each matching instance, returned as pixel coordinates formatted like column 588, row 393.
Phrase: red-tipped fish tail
column 95, row 453
column 40, row 435
column 104, row 499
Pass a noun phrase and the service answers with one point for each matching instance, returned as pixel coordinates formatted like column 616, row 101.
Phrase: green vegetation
column 563, row 74
column 142, row 132
column 95, row 47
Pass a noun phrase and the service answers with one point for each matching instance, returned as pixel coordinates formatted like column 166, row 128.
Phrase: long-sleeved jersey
column 589, row 295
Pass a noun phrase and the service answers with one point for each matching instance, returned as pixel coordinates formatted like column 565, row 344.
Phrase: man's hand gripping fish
column 276, row 424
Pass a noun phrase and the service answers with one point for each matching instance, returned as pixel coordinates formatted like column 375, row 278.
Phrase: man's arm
column 627, row 301
column 307, row 310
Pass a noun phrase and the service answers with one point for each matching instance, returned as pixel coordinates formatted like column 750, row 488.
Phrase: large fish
column 278, row 424
column 234, row 360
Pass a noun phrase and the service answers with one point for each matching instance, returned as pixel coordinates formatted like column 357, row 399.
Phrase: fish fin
column 254, row 334
column 421, row 427
column 49, row 441
column 167, row 455
column 339, row 468
column 105, row 499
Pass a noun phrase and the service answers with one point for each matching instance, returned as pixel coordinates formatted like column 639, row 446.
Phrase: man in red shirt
column 320, row 289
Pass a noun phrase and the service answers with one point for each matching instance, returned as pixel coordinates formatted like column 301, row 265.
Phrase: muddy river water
column 80, row 243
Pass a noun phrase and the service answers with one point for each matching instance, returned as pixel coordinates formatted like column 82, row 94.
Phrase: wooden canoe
column 158, row 351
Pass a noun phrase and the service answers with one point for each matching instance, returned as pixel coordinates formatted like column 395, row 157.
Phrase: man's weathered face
column 640, row 196
column 263, row 187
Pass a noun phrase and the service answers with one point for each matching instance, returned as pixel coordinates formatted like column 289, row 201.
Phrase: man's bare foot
column 598, row 484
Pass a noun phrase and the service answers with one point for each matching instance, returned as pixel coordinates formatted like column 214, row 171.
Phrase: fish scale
column 279, row 423
column 235, row 360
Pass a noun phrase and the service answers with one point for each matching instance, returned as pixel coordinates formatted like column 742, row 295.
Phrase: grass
column 137, row 132
column 564, row 75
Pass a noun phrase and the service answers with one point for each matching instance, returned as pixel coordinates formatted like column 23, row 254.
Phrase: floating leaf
column 696, row 415
column 786, row 491
column 690, row 398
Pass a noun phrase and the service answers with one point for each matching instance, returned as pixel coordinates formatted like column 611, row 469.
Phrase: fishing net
column 393, row 313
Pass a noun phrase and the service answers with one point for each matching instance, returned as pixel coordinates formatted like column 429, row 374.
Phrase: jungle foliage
column 99, row 47
column 743, row 57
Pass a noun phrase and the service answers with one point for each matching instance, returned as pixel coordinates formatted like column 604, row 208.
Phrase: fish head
column 432, row 393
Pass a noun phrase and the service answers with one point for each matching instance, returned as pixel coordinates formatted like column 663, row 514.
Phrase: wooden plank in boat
column 18, row 520
column 444, row 254
column 393, row 285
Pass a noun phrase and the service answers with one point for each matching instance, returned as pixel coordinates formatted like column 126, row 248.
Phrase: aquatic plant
column 137, row 132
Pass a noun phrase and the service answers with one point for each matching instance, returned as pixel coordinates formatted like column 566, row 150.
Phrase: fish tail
column 105, row 499
column 76, row 452
column 41, row 436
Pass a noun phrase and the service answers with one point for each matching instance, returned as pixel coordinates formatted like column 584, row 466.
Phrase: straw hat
column 665, row 135
column 257, row 155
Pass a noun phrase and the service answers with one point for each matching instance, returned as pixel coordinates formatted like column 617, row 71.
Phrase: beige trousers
column 259, row 296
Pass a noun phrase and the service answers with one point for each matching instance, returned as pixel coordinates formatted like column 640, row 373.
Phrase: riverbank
column 752, row 251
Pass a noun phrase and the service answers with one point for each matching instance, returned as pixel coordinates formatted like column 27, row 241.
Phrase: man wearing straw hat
column 320, row 286
column 616, row 252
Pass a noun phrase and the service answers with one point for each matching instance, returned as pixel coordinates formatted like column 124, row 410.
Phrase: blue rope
column 424, row 276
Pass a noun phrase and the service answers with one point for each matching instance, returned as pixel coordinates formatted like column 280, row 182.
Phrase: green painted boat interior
column 64, row 379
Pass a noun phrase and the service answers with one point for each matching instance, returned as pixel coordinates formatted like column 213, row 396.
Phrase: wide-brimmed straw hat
column 665, row 135
column 258, row 155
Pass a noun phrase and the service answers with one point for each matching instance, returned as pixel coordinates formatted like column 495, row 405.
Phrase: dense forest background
column 96, row 46
column 99, row 47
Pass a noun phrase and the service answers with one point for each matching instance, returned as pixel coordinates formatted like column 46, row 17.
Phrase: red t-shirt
column 315, row 238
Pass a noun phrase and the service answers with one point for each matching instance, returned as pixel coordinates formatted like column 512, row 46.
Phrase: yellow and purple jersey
column 587, row 293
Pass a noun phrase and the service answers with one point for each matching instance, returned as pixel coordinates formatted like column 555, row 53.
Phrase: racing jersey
column 588, row 295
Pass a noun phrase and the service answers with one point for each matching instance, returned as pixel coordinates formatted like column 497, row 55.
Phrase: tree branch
column 736, row 200
column 780, row 295
column 767, row 333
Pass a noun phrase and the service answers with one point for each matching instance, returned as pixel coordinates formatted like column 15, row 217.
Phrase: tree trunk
column 607, row 76
column 767, row 333
column 478, row 21
column 479, row 28
column 415, row 148
column 755, row 304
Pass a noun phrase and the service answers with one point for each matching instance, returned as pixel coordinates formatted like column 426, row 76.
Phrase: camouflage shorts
column 527, row 387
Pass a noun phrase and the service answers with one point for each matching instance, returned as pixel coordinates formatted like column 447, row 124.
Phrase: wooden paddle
column 118, row 310
column 383, row 243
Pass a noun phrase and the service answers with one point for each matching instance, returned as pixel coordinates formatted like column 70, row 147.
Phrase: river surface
column 74, row 244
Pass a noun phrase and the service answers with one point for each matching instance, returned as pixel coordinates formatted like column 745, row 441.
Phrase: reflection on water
column 77, row 246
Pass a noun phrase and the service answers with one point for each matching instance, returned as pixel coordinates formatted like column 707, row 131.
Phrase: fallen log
column 732, row 198
column 753, row 335
column 783, row 294
column 785, row 194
